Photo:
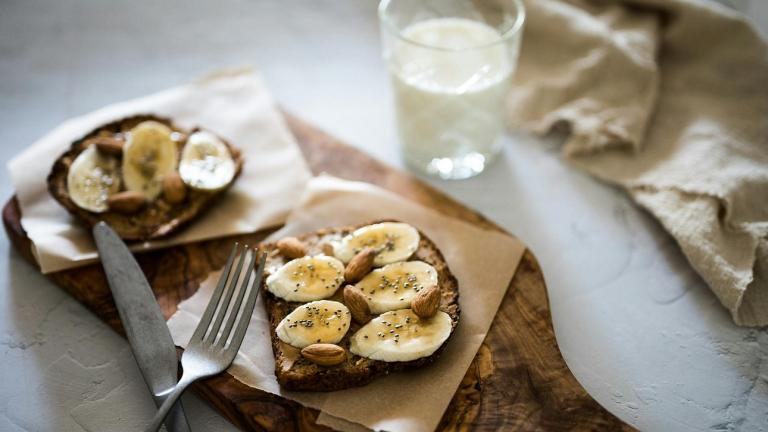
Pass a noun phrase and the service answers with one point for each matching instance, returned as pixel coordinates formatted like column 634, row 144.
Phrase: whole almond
column 426, row 302
column 174, row 189
column 292, row 247
column 128, row 202
column 360, row 265
column 327, row 249
column 358, row 307
column 108, row 145
column 324, row 354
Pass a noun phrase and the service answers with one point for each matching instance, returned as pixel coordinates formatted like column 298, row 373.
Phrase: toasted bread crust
column 297, row 373
column 159, row 218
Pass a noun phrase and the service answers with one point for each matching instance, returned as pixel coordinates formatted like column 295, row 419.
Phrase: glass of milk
column 450, row 63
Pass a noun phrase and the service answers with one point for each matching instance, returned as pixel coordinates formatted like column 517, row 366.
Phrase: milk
column 450, row 77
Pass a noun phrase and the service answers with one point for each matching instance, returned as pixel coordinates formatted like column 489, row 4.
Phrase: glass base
column 453, row 168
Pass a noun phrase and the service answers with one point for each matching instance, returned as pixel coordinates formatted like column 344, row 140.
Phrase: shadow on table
column 605, row 258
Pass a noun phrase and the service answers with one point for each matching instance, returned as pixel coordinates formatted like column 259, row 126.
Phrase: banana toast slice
column 143, row 175
column 323, row 339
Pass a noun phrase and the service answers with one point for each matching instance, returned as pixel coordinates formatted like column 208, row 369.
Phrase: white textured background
column 637, row 326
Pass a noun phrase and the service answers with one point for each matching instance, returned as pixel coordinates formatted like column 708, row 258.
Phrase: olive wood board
column 517, row 381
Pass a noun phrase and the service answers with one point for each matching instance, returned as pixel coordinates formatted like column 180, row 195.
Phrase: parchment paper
column 482, row 261
column 234, row 105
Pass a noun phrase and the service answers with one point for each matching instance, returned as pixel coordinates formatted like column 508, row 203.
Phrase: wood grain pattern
column 517, row 381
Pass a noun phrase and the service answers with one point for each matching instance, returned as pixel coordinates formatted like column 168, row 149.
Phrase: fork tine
column 242, row 325
column 238, row 301
column 199, row 360
column 224, row 305
column 202, row 326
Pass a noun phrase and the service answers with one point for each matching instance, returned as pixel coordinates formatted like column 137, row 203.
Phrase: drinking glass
column 450, row 63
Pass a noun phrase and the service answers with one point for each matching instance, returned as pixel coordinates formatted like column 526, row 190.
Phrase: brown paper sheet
column 234, row 105
column 483, row 262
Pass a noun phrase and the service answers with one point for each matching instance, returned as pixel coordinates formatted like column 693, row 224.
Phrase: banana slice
column 148, row 156
column 322, row 321
column 92, row 178
column 206, row 162
column 394, row 242
column 394, row 285
column 401, row 335
column 307, row 278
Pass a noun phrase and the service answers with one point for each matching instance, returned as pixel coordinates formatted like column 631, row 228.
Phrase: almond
column 174, row 189
column 355, row 302
column 128, row 202
column 292, row 247
column 327, row 249
column 108, row 145
column 360, row 265
column 324, row 354
column 426, row 302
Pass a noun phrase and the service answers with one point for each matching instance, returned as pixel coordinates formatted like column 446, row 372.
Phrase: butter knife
column 143, row 321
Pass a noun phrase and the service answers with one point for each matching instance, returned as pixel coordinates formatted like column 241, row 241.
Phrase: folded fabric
column 235, row 105
column 668, row 99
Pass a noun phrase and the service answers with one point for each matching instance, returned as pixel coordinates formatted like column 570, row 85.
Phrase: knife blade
column 142, row 319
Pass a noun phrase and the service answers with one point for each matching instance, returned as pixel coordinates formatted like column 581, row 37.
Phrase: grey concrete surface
column 639, row 329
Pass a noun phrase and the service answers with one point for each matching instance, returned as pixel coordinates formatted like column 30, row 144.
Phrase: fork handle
column 168, row 403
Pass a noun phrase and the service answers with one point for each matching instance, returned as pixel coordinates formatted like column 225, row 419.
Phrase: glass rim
column 507, row 34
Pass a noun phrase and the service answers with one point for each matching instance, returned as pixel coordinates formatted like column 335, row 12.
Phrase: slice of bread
column 297, row 373
column 158, row 218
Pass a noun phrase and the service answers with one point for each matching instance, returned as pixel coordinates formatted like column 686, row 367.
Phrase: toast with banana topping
column 347, row 305
column 143, row 175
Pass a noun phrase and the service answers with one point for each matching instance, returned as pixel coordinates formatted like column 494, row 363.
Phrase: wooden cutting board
column 517, row 381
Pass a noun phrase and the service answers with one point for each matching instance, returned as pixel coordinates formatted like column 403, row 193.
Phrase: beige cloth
column 411, row 401
column 235, row 105
column 668, row 99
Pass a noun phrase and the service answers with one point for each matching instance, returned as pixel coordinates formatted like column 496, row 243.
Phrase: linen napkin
column 482, row 261
column 668, row 99
column 235, row 105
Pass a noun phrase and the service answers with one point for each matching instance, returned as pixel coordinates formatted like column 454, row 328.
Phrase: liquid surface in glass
column 451, row 76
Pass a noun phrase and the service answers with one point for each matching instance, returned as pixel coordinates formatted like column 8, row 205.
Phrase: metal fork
column 208, row 352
